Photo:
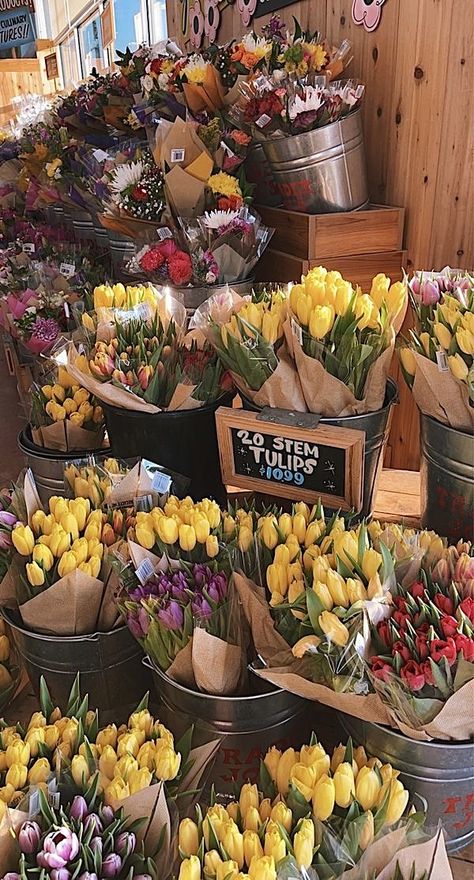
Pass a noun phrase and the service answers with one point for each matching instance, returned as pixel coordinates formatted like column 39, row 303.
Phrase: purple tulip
column 5, row 541
column 88, row 876
column 125, row 844
column 60, row 874
column 12, row 876
column 7, row 519
column 138, row 624
column 29, row 837
column 79, row 808
column 107, row 815
column 201, row 574
column 171, row 617
column 415, row 285
column 96, row 845
column 59, row 848
column 93, row 821
column 429, row 293
column 111, row 866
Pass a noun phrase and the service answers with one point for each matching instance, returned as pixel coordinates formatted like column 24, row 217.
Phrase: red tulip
column 449, row 625
column 381, row 669
column 427, row 672
column 417, row 590
column 466, row 645
column 422, row 646
column 444, row 603
column 402, row 649
column 412, row 675
column 439, row 649
column 467, row 607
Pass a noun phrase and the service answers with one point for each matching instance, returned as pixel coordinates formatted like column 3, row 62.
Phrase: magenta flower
column 45, row 332
column 79, row 808
column 171, row 617
column 111, row 866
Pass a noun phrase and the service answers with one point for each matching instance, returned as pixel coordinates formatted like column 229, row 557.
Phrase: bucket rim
column 438, row 743
column 29, row 447
column 391, row 389
column 327, row 127
column 207, row 409
column 425, row 417
column 148, row 662
column 44, row 637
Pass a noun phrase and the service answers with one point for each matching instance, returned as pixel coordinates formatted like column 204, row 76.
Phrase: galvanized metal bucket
column 100, row 233
column 321, row 171
column 121, row 249
column 440, row 772
column 247, row 725
column 48, row 465
column 193, row 297
column 83, row 226
column 447, row 480
column 110, row 665
column 258, row 171
column 377, row 429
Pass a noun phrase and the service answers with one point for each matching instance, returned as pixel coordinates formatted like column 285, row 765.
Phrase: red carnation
column 449, row 625
column 412, row 675
column 229, row 203
column 180, row 268
column 422, row 646
column 439, row 649
column 467, row 607
column 402, row 649
column 466, row 645
column 417, row 589
column 139, row 194
column 167, row 248
column 152, row 260
column 381, row 669
column 444, row 603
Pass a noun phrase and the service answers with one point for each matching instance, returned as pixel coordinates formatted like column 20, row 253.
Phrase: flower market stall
column 234, row 644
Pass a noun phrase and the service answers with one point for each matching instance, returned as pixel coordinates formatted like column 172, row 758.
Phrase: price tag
column 164, row 232
column 260, row 83
column 161, row 483
column 67, row 310
column 100, row 155
column 33, row 806
column 297, row 331
column 28, row 247
column 144, row 571
column 140, row 312
column 67, row 269
column 178, row 155
column 228, row 150
column 442, row 362
column 263, row 120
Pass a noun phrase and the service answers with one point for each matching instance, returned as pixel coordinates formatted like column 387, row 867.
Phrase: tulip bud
column 397, row 803
column 118, row 790
column 344, row 784
column 323, row 594
column 227, row 870
column 79, row 808
column 304, row 779
column 285, row 764
column 251, row 819
column 18, row 752
column 16, row 776
column 35, row 737
column 303, row 844
column 262, row 869
column 35, row 574
column 324, row 797
column 333, row 628
column 367, row 788
column 274, row 844
column 211, row 860
column 252, row 846
column 167, row 763
column 108, row 761
column 139, row 779
column 368, row 832
column 188, row 837
column 265, row 809
column 80, row 770
column 39, row 772
column 111, row 866
column 23, row 540
column 282, row 815
column 248, row 797
column 29, row 837
column 371, row 562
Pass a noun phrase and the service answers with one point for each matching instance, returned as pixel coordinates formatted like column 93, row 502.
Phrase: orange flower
column 237, row 53
column 249, row 60
column 240, row 137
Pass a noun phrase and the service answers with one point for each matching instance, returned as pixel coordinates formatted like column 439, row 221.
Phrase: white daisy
column 312, row 100
column 216, row 219
column 125, row 175
column 256, row 45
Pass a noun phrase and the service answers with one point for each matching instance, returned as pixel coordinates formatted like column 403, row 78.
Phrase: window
column 131, row 27
column 158, row 20
column 69, row 63
column 92, row 54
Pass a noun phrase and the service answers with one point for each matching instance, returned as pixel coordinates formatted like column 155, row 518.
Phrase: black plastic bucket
column 377, row 428
column 184, row 441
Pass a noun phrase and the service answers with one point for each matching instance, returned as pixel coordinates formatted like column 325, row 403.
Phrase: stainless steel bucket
column 321, row 171
column 259, row 172
column 48, row 465
column 121, row 249
column 100, row 233
column 110, row 665
column 193, row 297
column 440, row 772
column 248, row 725
column 83, row 226
column 447, row 480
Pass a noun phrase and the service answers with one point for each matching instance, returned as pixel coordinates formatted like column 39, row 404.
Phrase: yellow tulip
column 333, row 628
column 304, row 779
column 371, row 562
column 465, row 340
column 285, row 524
column 344, row 293
column 407, row 359
column 345, row 546
column 262, row 868
column 379, row 288
column 366, row 312
column 43, row 556
column 139, row 779
column 245, row 538
column 59, row 543
column 212, row 546
column 337, row 588
column 321, row 320
column 80, row 770
column 397, row 803
column 268, row 532
column 303, row 309
column 252, row 847
column 23, row 540
column 17, row 776
column 303, row 844
column 367, row 833
column 35, row 738
column 374, row 587
column 188, row 837
column 285, row 765
column 360, row 757
column 187, row 537
column 128, row 744
column 282, row 815
column 344, row 784
column 251, row 819
column 228, row 870
column 145, row 536
column 249, row 797
column 355, row 590
column 293, row 546
column 233, row 843
column 39, row 772
column 305, row 645
column 167, row 763
column 108, row 761
column 47, row 390
column 67, row 563
column 107, row 736
column 272, row 761
column 274, row 844
column 18, row 752
column 396, row 298
column 35, row 574
column 458, row 367
column 211, row 860
column 367, row 788
column 299, row 527
column 277, row 579
column 118, row 790
column 442, row 335
column 324, row 798
column 265, row 809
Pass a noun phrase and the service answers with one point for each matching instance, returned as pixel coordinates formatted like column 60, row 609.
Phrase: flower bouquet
column 437, row 356
column 342, row 340
column 137, row 198
column 165, row 263
column 201, row 84
column 310, row 815
column 8, row 520
column 64, row 415
column 249, row 340
column 422, row 661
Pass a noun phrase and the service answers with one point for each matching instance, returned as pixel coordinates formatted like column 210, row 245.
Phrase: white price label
column 33, row 805
column 141, row 312
column 263, row 120
column 28, row 247
column 67, row 310
column 164, row 232
column 67, row 269
column 100, row 155
column 297, row 331
column 161, row 483
column 178, row 155
column 442, row 361
column 144, row 571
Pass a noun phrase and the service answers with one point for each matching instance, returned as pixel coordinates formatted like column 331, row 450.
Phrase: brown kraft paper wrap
column 439, row 395
column 67, row 437
column 105, row 390
column 329, row 396
column 273, row 648
column 149, row 804
column 181, row 669
column 9, row 849
column 217, row 665
column 70, row 607
column 430, row 856
column 377, row 855
column 282, row 390
column 455, row 721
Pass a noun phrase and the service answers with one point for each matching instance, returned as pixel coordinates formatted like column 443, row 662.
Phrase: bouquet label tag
column 297, row 331
column 260, row 83
column 28, row 247
column 164, row 232
column 228, row 150
column 140, row 312
column 177, row 155
column 33, row 805
column 100, row 155
column 442, row 361
column 67, row 310
column 67, row 269
column 161, row 483
column 263, row 120
column 144, row 571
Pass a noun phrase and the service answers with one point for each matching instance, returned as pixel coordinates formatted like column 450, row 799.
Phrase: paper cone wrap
column 430, row 856
column 282, row 390
column 105, row 390
column 217, row 665
column 67, row 437
column 442, row 396
column 70, row 607
column 181, row 669
column 455, row 721
column 9, row 849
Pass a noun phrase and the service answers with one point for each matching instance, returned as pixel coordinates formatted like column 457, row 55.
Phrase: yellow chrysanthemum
column 224, row 184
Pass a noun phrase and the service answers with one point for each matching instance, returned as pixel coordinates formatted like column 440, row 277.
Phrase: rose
column 440, row 648
column 467, row 607
column 381, row 669
column 412, row 675
column 444, row 603
column 449, row 625
column 399, row 647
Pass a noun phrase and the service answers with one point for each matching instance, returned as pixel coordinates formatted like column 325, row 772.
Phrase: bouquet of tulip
column 8, row 520
column 235, row 239
column 437, row 356
column 423, row 660
column 309, row 811
column 343, row 339
column 62, row 557
column 249, row 340
column 146, row 366
column 119, row 488
column 9, row 668
column 64, row 416
column 182, row 529
column 116, row 296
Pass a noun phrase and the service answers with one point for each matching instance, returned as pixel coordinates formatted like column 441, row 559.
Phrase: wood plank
column 360, row 268
column 392, row 480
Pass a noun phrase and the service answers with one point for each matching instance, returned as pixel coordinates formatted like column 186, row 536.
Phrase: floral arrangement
column 95, row 482
column 305, row 801
column 61, row 402
column 166, row 262
column 174, row 529
column 137, row 189
column 425, row 650
column 439, row 351
column 10, row 671
column 343, row 339
column 8, row 520
column 116, row 296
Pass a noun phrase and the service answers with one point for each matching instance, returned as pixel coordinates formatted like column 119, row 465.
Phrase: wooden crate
column 319, row 236
column 358, row 268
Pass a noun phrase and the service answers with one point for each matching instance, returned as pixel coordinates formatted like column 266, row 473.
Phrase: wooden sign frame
column 51, row 65
column 107, row 25
column 350, row 441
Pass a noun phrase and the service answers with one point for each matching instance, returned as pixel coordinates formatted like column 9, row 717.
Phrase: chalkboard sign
column 289, row 461
column 265, row 6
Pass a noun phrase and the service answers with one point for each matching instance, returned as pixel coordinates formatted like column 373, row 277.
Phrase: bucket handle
column 147, row 662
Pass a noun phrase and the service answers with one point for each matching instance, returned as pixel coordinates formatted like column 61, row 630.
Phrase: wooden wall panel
column 17, row 77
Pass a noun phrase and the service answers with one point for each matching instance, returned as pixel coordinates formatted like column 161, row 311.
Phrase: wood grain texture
column 418, row 68
column 17, row 77
column 358, row 268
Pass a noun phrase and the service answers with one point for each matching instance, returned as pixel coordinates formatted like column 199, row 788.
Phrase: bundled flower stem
column 64, row 416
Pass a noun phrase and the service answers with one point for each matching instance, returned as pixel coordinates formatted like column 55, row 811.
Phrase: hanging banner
column 13, row 5
column 16, row 27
